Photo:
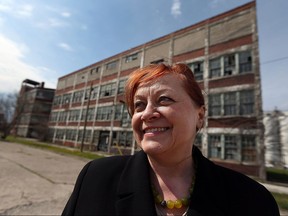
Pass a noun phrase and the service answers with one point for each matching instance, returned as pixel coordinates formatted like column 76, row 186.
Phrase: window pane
column 229, row 64
column 231, row 150
column 230, row 105
column 248, row 143
column 246, row 102
column 215, row 149
column 214, row 105
column 215, row 68
column 197, row 69
column 245, row 62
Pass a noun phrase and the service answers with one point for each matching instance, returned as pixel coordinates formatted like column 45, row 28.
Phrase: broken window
column 229, row 64
column 197, row 69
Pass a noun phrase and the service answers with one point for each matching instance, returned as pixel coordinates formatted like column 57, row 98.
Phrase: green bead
column 178, row 203
column 170, row 204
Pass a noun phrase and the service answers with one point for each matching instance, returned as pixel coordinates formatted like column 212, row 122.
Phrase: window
column 88, row 136
column 93, row 93
column 197, row 69
column 246, row 102
column 248, row 148
column 71, row 134
column 245, row 62
column 111, row 65
column 215, row 148
column 234, row 103
column 77, row 96
column 95, row 70
column 215, row 67
column 57, row 100
column 215, row 105
column 231, row 150
column 104, row 113
column 157, row 61
column 230, row 103
column 74, row 115
column 89, row 113
column 229, row 64
column 60, row 134
column 66, row 98
column 54, row 116
column 125, row 138
column 62, row 116
column 80, row 135
column 131, row 57
column 118, row 111
column 108, row 90
column 121, row 86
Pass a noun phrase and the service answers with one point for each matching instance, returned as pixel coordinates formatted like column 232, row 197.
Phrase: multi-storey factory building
column 89, row 108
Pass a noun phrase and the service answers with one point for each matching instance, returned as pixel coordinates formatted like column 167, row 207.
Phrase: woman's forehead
column 166, row 82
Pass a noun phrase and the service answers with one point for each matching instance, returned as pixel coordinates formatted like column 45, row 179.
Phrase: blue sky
column 44, row 40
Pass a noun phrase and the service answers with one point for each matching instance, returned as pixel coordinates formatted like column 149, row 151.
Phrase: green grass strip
column 62, row 150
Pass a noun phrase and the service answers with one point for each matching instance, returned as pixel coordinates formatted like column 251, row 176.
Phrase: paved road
column 35, row 181
column 39, row 182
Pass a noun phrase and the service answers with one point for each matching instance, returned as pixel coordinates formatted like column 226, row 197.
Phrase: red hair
column 156, row 71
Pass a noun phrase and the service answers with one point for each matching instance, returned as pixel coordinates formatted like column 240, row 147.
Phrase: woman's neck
column 172, row 181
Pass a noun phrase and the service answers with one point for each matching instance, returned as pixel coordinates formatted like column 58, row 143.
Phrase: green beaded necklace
column 170, row 203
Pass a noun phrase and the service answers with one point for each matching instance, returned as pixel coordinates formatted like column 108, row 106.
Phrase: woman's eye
column 165, row 100
column 138, row 106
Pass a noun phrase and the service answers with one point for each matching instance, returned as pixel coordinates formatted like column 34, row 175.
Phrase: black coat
column 120, row 185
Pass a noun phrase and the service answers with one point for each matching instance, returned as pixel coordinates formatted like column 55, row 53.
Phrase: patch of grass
column 67, row 151
column 282, row 200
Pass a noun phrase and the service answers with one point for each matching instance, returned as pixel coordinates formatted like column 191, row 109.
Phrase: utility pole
column 86, row 117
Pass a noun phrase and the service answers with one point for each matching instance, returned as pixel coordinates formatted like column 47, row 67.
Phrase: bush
column 277, row 175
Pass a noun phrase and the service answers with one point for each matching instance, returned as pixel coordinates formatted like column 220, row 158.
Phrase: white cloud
column 65, row 14
column 25, row 10
column 176, row 8
column 52, row 22
column 16, row 9
column 5, row 6
column 65, row 46
column 13, row 69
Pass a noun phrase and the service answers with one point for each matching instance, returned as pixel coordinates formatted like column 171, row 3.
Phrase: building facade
column 33, row 109
column 276, row 138
column 89, row 109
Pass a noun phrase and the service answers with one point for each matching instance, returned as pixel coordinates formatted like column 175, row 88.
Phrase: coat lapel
column 134, row 190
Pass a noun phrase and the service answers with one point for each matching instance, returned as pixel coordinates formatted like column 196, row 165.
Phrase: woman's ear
column 201, row 116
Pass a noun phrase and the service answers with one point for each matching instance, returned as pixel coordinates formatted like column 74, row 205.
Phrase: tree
column 10, row 110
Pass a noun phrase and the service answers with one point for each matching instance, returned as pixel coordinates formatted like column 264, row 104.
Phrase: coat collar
column 134, row 190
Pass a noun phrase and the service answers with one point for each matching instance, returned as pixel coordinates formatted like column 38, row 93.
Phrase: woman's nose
column 150, row 113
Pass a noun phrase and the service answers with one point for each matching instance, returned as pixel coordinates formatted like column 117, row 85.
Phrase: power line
column 275, row 60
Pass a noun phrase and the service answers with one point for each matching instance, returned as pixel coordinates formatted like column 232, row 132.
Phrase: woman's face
column 165, row 117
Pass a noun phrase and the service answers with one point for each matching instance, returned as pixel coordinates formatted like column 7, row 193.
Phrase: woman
column 168, row 176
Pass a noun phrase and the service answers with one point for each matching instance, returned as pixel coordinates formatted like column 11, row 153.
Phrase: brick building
column 222, row 51
column 33, row 110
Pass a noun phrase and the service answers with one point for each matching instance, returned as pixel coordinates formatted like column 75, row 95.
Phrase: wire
column 274, row 60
